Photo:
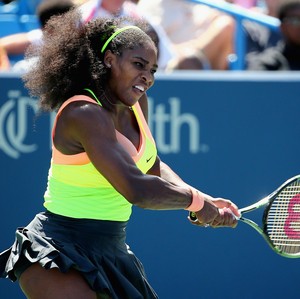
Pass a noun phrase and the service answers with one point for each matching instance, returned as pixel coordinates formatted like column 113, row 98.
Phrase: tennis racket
column 281, row 218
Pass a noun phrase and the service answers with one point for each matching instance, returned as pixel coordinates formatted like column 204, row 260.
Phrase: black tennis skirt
column 95, row 248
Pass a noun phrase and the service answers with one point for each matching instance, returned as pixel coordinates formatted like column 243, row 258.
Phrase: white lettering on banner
column 168, row 124
column 160, row 120
column 13, row 124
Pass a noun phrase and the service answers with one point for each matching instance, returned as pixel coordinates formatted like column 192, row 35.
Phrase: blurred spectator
column 202, row 34
column 45, row 11
column 17, row 43
column 286, row 54
column 4, row 61
column 107, row 8
column 50, row 8
column 196, row 42
column 260, row 37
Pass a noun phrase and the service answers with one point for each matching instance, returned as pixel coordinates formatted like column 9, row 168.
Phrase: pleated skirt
column 96, row 248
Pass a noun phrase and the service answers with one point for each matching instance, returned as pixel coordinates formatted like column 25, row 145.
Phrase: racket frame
column 266, row 201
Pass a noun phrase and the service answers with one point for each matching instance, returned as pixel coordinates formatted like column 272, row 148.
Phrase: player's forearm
column 156, row 193
column 169, row 175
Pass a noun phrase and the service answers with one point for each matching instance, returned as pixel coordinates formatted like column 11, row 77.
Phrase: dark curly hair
column 70, row 58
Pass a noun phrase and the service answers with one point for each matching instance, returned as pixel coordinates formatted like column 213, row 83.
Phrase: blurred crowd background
column 192, row 35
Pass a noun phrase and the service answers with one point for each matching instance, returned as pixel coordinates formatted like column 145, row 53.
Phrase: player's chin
column 137, row 94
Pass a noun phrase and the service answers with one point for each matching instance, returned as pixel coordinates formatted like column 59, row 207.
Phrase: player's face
column 132, row 73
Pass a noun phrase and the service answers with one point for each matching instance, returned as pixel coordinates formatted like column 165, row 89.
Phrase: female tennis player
column 104, row 160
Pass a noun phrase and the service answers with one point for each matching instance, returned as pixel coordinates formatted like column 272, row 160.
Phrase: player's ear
column 109, row 58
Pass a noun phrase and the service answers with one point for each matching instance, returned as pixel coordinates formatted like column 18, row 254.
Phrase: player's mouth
column 140, row 88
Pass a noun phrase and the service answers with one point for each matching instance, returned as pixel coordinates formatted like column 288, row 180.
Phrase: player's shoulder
column 82, row 109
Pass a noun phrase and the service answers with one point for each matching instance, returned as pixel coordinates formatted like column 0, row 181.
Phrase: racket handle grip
column 193, row 217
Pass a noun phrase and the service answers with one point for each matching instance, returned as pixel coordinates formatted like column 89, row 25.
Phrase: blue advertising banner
column 230, row 134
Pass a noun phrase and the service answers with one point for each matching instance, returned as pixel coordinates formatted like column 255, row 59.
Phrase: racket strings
column 283, row 219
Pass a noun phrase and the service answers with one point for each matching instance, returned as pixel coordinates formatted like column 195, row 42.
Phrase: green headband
column 116, row 33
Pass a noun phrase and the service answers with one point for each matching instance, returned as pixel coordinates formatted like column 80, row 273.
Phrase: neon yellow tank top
column 76, row 189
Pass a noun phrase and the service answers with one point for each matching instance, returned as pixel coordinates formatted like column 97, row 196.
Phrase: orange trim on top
column 57, row 156
column 82, row 158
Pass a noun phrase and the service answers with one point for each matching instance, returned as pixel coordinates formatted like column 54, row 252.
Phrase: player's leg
column 37, row 282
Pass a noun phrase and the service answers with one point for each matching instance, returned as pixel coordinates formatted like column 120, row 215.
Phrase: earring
column 108, row 66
